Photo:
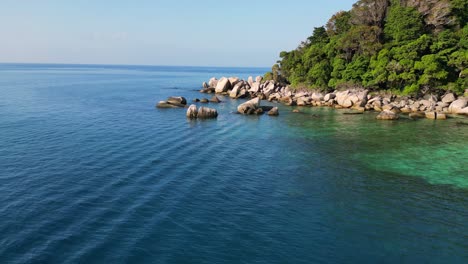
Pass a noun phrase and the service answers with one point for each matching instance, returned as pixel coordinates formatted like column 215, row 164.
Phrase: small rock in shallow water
column 273, row 112
column 435, row 116
column 388, row 115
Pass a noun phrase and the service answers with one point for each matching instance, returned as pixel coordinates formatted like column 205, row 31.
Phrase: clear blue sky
column 158, row 32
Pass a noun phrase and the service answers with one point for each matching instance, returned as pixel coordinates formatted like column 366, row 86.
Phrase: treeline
column 405, row 46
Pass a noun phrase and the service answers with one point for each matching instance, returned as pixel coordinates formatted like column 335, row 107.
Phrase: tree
column 369, row 12
column 403, row 24
column 339, row 23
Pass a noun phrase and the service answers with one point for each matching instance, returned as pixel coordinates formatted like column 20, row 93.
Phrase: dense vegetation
column 405, row 46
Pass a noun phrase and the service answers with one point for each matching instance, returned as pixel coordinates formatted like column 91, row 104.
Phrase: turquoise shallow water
column 91, row 172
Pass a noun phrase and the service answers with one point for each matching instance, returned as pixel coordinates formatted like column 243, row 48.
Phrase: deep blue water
column 92, row 172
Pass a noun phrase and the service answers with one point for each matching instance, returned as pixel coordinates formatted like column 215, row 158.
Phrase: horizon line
column 140, row 65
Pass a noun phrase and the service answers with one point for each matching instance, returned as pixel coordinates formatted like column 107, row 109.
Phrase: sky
column 158, row 32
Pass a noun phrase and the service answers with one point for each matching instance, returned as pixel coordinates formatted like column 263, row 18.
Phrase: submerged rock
column 215, row 99
column 387, row 115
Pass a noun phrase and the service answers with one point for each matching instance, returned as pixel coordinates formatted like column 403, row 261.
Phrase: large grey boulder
column 269, row 88
column 234, row 81
column 448, row 98
column 235, row 91
column 250, row 80
column 259, row 79
column 317, row 97
column 388, row 115
column 213, row 82
column 463, row 111
column 255, row 87
column 457, row 106
column 329, row 96
column 341, row 97
column 249, row 107
column 223, row 85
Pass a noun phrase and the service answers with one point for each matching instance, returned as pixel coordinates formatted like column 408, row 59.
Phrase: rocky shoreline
column 389, row 106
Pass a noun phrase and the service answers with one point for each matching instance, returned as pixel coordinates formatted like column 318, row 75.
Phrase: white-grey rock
column 448, row 98
column 387, row 115
column 192, row 112
column 213, row 82
column 249, row 107
column 317, row 97
column 457, row 106
column 329, row 96
column 205, row 112
column 223, row 85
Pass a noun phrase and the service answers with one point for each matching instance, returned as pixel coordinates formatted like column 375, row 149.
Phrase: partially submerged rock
column 388, row 115
column 172, row 102
column 177, row 100
column 249, row 107
column 202, row 112
column 192, row 112
column 215, row 99
column 205, row 112
column 273, row 112
column 436, row 116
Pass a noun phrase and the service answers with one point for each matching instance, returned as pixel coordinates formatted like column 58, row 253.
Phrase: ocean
column 92, row 172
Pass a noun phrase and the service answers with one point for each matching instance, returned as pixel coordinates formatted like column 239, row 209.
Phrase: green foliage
column 399, row 45
column 403, row 24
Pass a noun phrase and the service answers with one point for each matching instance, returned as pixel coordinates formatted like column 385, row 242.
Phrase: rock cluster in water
column 359, row 100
